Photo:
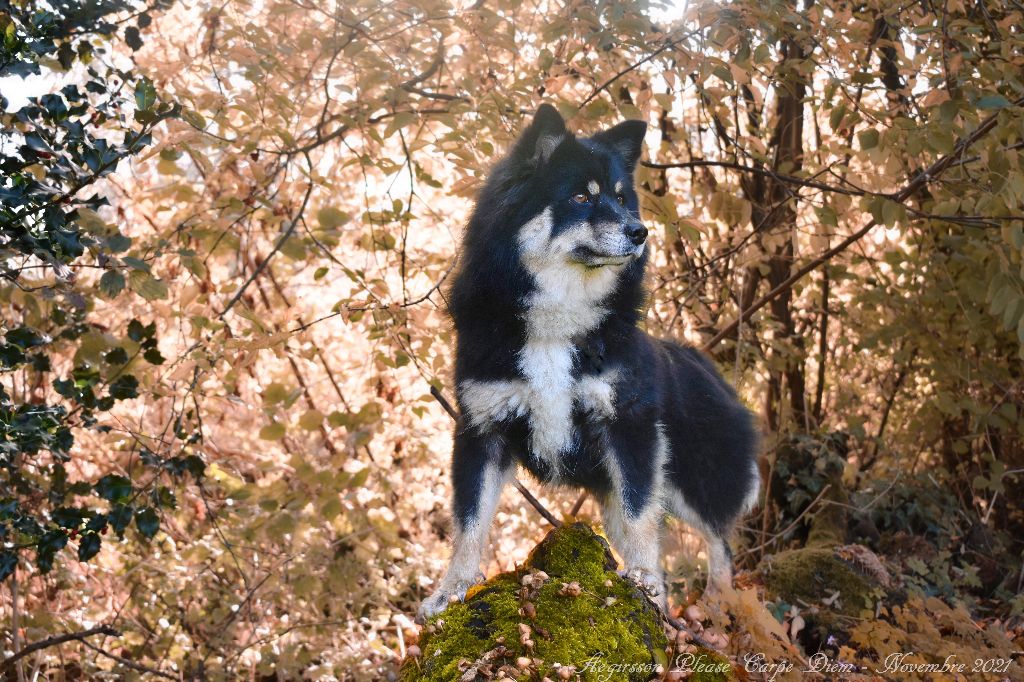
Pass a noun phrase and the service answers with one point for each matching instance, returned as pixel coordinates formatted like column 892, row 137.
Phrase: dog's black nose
column 636, row 232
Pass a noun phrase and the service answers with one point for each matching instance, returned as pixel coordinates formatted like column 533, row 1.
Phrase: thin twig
column 534, row 502
column 635, row 65
column 870, row 504
column 578, row 504
column 781, row 177
column 277, row 247
column 59, row 639
column 412, row 85
column 921, row 180
column 131, row 664
column 678, row 626
column 303, row 326
column 790, row 527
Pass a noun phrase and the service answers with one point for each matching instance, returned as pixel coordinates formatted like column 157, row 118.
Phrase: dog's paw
column 439, row 601
column 651, row 583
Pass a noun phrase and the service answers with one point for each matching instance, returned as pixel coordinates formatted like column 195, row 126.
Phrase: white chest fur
column 565, row 304
column 546, row 398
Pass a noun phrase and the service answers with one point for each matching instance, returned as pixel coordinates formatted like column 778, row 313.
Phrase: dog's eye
column 621, row 199
column 581, row 198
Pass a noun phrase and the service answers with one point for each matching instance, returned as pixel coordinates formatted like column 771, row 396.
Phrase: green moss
column 610, row 623
column 573, row 552
column 812, row 574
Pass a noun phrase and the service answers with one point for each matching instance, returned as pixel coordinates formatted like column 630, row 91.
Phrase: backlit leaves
column 273, row 431
column 313, row 176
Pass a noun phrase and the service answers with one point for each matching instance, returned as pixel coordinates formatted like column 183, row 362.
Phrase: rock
column 812, row 574
column 832, row 591
column 620, row 639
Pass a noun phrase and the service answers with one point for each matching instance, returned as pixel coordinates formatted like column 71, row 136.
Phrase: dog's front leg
column 480, row 470
column 632, row 510
column 637, row 539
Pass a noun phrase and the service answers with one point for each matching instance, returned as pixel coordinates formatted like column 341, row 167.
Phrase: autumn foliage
column 225, row 232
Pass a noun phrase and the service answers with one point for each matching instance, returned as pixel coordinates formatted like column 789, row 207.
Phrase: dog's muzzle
column 636, row 233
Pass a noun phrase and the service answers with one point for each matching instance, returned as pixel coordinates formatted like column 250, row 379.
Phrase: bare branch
column 412, row 84
column 920, row 181
column 277, row 247
column 791, row 179
column 131, row 664
column 58, row 639
column 635, row 65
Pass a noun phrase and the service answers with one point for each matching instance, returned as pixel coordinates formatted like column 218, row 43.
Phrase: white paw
column 439, row 601
column 651, row 583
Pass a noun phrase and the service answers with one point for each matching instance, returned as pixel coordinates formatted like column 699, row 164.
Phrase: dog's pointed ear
column 627, row 138
column 542, row 137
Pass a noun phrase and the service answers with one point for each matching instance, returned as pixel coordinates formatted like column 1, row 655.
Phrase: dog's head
column 590, row 215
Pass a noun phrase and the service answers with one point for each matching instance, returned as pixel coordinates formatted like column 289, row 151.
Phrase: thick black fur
column 710, row 434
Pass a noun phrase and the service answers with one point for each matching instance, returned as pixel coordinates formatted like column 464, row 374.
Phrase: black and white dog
column 553, row 371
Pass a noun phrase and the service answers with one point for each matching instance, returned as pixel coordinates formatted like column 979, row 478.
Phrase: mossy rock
column 812, row 574
column 609, row 631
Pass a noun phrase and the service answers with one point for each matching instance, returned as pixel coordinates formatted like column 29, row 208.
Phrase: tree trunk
column 774, row 213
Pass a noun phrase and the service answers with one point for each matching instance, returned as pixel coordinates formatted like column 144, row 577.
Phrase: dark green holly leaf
column 52, row 542
column 24, row 337
column 193, row 464
column 63, row 439
column 64, row 387
column 147, row 521
column 113, row 488
column 67, row 517
column 133, row 39
column 66, row 55
column 120, row 516
column 8, row 562
column 136, row 332
column 117, row 356
column 145, row 94
column 151, row 458
column 152, row 355
column 89, row 546
column 11, row 356
column 124, row 387
column 79, row 488
column 54, row 105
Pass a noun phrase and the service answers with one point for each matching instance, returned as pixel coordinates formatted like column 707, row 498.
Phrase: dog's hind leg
column 719, row 554
column 480, row 470
column 719, row 562
column 632, row 510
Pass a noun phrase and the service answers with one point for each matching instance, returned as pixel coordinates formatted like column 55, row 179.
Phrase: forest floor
column 890, row 604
